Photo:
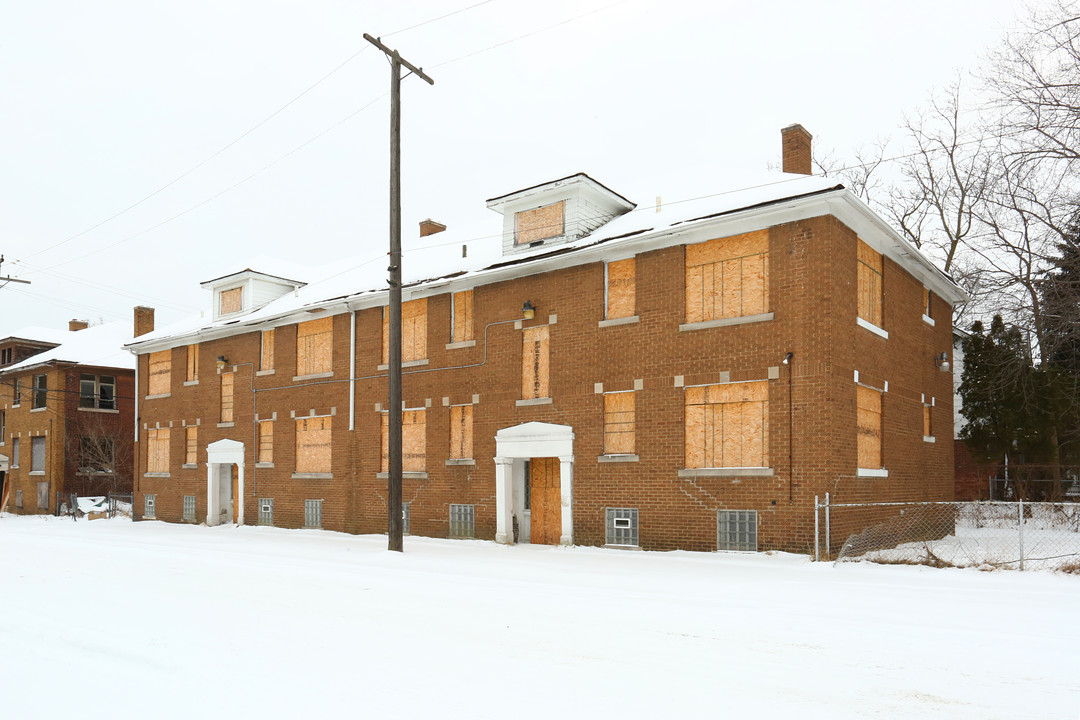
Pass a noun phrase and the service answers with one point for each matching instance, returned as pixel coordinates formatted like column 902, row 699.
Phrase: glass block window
column 189, row 508
column 43, row 495
column 149, row 503
column 266, row 511
column 736, row 530
column 18, row 499
column 405, row 518
column 462, row 521
column 622, row 526
column 313, row 513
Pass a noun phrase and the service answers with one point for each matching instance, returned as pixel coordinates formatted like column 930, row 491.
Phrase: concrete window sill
column 725, row 322
column 313, row 376
column 928, row 320
column 158, row 396
column 612, row 322
column 533, row 401
column 264, row 465
column 866, row 325
column 872, row 472
column 727, row 472
column 622, row 547
column 37, row 472
column 312, row 476
column 621, row 458
column 40, row 409
column 98, row 410
column 260, row 373
column 156, row 475
column 461, row 461
column 461, row 344
column 226, row 424
column 411, row 363
column 929, row 438
column 190, row 466
column 189, row 383
column 404, row 475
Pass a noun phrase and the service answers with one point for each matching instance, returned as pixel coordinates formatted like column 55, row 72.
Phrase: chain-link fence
column 1017, row 535
column 121, row 504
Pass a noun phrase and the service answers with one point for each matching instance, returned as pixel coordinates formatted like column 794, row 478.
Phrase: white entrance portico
column 514, row 446
column 225, row 482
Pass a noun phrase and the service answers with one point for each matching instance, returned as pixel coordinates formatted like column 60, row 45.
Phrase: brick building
column 686, row 378
column 66, row 413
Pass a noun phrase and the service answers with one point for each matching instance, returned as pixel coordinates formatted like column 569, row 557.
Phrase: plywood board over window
column 192, row 363
column 413, row 331
column 463, row 316
column 870, row 266
column 191, row 451
column 313, row 444
column 619, row 423
column 157, row 450
column 620, row 288
column 727, row 425
column 266, row 357
column 160, row 373
column 927, row 426
column 266, row 441
column 535, row 362
column 539, row 223
column 413, row 441
column 227, row 397
column 315, row 346
column 461, row 432
column 869, row 427
column 728, row 277
column 232, row 300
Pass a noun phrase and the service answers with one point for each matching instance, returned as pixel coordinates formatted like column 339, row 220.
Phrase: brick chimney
column 430, row 227
column 144, row 320
column 795, row 141
column 74, row 325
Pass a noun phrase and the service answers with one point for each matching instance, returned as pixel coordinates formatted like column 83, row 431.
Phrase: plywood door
column 545, row 501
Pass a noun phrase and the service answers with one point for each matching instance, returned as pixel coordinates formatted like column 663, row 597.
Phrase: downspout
column 352, row 371
column 788, row 360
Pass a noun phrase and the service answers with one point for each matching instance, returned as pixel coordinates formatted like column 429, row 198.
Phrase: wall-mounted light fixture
column 221, row 362
column 528, row 310
column 942, row 362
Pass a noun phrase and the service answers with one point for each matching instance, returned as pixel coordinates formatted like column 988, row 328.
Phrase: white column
column 566, row 484
column 211, row 496
column 504, row 493
column 240, row 493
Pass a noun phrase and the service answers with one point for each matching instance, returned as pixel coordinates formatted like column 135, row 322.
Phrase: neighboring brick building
column 66, row 414
column 690, row 378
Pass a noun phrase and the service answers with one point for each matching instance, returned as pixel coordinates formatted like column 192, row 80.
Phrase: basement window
column 313, row 513
column 736, row 530
column 405, row 518
column 266, row 511
column 622, row 526
column 462, row 521
column 189, row 508
column 149, row 507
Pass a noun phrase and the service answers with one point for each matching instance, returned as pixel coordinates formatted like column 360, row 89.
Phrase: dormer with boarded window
column 247, row 290
column 556, row 212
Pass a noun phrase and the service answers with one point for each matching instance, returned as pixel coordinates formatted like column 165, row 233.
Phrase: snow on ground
column 111, row 619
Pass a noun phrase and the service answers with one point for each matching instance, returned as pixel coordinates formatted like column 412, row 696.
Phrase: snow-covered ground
column 115, row 619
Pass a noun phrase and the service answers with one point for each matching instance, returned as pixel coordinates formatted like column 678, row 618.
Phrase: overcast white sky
column 107, row 102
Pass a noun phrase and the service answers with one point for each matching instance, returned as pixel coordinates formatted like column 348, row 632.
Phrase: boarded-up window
column 157, row 450
column 870, row 267
column 539, row 223
column 535, row 354
column 728, row 425
column 461, row 431
column 619, row 423
column 728, row 277
column 160, row 373
column 313, row 436
column 232, row 300
column 315, row 346
column 927, row 424
column 413, row 441
column 926, row 302
column 869, row 427
column 191, row 451
column 227, row 397
column 192, row 363
column 266, row 357
column 463, row 316
column 266, row 441
column 620, row 288
column 413, row 331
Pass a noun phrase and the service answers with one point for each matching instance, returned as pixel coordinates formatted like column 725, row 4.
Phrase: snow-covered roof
column 98, row 346
column 434, row 264
column 42, row 335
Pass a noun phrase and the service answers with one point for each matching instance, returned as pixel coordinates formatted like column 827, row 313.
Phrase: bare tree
column 100, row 454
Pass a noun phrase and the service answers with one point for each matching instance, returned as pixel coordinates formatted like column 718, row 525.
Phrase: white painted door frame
column 514, row 445
column 221, row 454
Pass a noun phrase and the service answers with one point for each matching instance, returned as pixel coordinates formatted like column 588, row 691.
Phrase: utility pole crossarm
column 419, row 72
column 9, row 279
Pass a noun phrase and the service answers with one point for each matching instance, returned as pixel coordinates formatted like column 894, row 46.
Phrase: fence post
column 1020, row 510
column 828, row 532
column 816, row 542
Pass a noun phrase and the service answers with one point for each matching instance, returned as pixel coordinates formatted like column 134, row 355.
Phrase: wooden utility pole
column 393, row 497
